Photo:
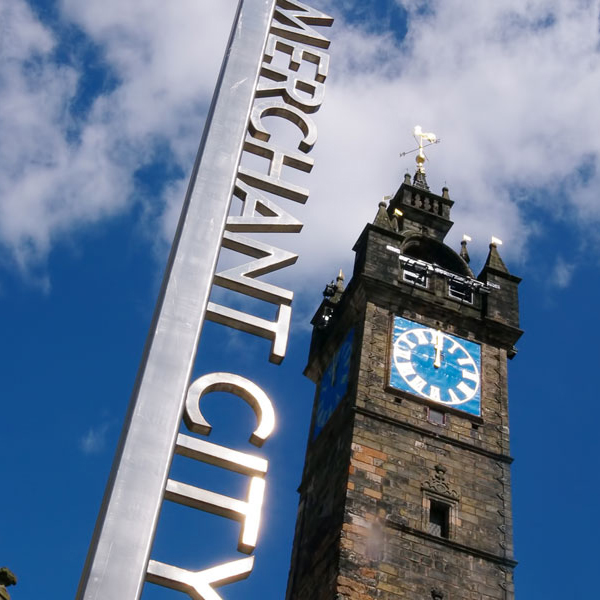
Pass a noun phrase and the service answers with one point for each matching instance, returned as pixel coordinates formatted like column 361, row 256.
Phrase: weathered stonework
column 380, row 464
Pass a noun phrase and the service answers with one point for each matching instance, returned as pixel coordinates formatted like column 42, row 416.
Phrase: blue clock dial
column 435, row 365
column 333, row 383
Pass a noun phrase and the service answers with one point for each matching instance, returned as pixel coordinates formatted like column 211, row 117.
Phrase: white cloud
column 94, row 441
column 562, row 273
column 511, row 88
column 60, row 170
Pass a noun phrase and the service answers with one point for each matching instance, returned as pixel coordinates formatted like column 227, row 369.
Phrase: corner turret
column 502, row 304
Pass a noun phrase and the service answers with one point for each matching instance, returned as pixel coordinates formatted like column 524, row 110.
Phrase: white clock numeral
column 404, row 354
column 455, row 399
column 417, row 384
column 434, row 393
column 464, row 361
column 470, row 375
column 405, row 369
column 454, row 347
column 420, row 335
column 465, row 389
column 407, row 341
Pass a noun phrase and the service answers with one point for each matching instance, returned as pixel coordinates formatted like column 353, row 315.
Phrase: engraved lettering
column 199, row 584
column 242, row 278
column 305, row 94
column 273, row 184
column 277, row 331
column 279, row 158
column 291, row 113
column 247, row 512
column 291, row 20
column 292, row 91
column 233, row 384
column 220, row 456
column 272, row 217
column 297, row 54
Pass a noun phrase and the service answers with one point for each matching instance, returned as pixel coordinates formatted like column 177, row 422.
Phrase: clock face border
column 334, row 383
column 447, row 379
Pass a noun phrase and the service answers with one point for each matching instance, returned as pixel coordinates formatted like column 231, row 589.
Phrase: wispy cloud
column 94, row 441
column 510, row 87
column 562, row 273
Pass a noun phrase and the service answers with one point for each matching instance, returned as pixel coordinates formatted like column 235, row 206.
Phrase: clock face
column 334, row 383
column 435, row 365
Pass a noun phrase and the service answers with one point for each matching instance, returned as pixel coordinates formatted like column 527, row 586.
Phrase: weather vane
column 419, row 136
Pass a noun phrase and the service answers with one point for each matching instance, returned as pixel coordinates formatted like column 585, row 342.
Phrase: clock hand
column 439, row 344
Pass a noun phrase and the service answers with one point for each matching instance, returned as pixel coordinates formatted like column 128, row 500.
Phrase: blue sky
column 101, row 110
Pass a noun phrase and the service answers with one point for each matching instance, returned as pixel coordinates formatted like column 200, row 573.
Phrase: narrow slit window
column 415, row 274
column 439, row 519
column 460, row 291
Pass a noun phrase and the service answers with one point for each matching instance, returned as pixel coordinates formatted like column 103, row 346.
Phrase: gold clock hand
column 439, row 344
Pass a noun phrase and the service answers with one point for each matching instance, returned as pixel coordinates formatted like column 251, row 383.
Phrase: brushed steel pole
column 119, row 552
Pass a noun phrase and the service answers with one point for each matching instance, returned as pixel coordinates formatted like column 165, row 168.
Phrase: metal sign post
column 118, row 562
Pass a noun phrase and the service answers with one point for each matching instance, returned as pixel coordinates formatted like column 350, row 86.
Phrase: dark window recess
column 460, row 291
column 439, row 519
column 436, row 417
column 415, row 274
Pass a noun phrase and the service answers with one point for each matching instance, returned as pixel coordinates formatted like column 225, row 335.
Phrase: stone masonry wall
column 387, row 552
column 380, row 463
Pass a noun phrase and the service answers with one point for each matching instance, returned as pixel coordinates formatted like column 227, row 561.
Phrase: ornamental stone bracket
column 438, row 484
column 7, row 578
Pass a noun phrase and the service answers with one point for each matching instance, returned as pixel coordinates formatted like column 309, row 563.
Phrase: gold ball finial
column 420, row 135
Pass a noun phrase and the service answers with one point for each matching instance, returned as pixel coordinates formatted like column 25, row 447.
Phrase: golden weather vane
column 420, row 136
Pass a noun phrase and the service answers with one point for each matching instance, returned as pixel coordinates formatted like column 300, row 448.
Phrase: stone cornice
column 445, row 438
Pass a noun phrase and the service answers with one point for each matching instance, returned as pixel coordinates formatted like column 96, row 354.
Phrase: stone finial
column 7, row 578
column 464, row 253
column 334, row 290
column 493, row 259
column 332, row 293
column 407, row 178
column 381, row 218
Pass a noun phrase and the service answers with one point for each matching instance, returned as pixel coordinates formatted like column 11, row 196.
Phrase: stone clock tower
column 406, row 485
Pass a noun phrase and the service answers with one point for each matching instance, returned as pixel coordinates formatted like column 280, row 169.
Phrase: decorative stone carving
column 437, row 594
column 438, row 484
column 7, row 577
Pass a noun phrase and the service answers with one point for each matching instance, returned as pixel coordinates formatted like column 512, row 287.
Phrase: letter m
column 291, row 20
